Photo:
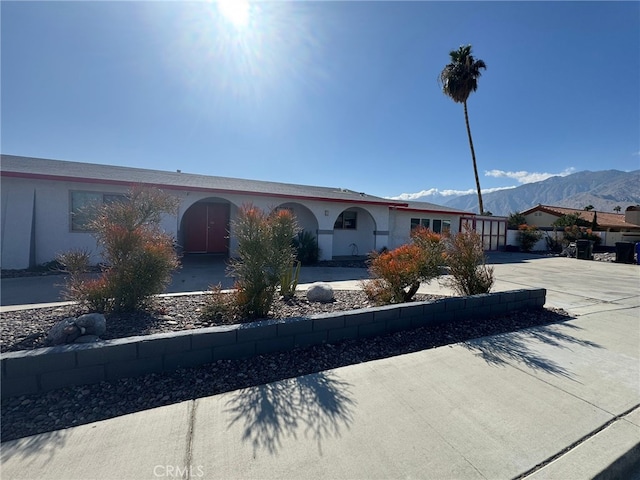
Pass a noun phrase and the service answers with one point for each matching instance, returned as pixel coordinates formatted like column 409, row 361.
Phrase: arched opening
column 307, row 221
column 354, row 233
column 205, row 227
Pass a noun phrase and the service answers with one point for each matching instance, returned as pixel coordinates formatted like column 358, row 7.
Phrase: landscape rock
column 65, row 331
column 92, row 323
column 320, row 292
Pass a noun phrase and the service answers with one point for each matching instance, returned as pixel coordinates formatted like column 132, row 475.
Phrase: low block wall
column 43, row 369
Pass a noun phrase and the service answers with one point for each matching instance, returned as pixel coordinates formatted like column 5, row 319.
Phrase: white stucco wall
column 50, row 233
column 16, row 223
column 29, row 241
column 36, row 220
column 400, row 231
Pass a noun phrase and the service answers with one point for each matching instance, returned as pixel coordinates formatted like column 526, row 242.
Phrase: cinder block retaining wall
column 43, row 369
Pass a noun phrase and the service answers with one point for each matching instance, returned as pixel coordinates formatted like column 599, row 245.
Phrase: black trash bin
column 624, row 252
column 584, row 249
column 638, row 253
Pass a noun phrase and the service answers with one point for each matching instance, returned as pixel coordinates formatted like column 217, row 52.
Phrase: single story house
column 42, row 201
column 611, row 227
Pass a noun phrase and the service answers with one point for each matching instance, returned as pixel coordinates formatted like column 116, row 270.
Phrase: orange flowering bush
column 397, row 274
column 139, row 256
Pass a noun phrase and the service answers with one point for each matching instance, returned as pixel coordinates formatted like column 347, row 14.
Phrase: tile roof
column 604, row 219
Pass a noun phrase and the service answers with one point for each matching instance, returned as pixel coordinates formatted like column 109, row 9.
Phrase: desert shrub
column 76, row 263
column 139, row 257
column 265, row 253
column 221, row 306
column 96, row 294
column 469, row 274
column 575, row 232
column 528, row 236
column 306, row 245
column 397, row 273
column 289, row 280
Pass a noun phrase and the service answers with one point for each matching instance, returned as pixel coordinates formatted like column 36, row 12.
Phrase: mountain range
column 603, row 189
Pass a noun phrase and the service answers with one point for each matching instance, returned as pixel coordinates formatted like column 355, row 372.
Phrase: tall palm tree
column 458, row 79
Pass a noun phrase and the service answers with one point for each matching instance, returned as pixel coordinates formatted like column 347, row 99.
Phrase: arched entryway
column 354, row 233
column 305, row 218
column 205, row 227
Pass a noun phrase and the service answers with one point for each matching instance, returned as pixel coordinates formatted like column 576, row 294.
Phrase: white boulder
column 320, row 292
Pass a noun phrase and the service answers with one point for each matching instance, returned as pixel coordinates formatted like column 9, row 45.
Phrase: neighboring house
column 43, row 200
column 611, row 227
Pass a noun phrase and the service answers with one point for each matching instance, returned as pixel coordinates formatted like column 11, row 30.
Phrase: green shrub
column 289, row 280
column 306, row 245
column 528, row 236
column 139, row 257
column 265, row 253
column 397, row 273
column 469, row 275
column 515, row 220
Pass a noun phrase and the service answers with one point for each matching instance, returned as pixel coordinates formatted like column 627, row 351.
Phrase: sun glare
column 235, row 12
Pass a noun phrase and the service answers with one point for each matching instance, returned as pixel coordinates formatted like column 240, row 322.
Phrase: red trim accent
column 61, row 178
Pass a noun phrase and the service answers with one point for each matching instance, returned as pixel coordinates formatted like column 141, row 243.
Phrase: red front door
column 205, row 228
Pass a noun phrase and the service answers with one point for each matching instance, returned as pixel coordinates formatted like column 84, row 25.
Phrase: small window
column 417, row 222
column 84, row 203
column 346, row 221
column 441, row 226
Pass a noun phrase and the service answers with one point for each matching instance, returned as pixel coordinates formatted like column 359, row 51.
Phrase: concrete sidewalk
column 558, row 401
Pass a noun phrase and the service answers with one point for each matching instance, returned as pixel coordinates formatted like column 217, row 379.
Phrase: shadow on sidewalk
column 316, row 406
column 520, row 347
column 31, row 448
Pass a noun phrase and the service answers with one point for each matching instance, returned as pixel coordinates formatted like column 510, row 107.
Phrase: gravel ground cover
column 27, row 329
column 32, row 414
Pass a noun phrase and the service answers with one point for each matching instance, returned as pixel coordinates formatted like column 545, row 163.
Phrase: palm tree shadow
column 316, row 406
column 518, row 346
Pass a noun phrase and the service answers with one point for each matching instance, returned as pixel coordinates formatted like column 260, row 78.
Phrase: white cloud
column 434, row 192
column 520, row 176
column 527, row 177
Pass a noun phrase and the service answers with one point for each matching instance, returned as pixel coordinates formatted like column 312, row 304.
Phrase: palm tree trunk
column 473, row 156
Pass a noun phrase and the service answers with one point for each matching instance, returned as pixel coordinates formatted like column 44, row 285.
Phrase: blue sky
column 340, row 94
